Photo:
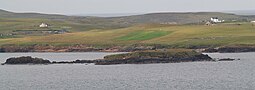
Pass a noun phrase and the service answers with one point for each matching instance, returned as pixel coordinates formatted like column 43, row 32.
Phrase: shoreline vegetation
column 138, row 57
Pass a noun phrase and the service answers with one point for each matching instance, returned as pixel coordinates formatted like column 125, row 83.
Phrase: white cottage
column 216, row 20
column 43, row 25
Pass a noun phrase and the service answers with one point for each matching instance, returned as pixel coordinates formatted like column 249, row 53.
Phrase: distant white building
column 216, row 20
column 43, row 25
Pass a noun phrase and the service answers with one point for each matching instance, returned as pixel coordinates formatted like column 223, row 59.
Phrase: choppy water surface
column 236, row 75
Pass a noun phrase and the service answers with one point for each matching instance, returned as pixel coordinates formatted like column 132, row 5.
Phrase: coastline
column 125, row 48
column 229, row 49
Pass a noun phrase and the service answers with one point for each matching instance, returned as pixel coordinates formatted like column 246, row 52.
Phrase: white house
column 216, row 20
column 43, row 25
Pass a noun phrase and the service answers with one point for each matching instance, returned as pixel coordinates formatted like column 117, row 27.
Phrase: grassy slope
column 9, row 25
column 143, row 35
column 154, row 53
column 179, row 36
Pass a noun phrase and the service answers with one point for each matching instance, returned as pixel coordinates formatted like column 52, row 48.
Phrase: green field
column 183, row 36
column 143, row 35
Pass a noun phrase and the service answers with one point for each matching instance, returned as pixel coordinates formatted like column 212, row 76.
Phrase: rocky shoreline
column 230, row 49
column 131, row 48
column 74, row 48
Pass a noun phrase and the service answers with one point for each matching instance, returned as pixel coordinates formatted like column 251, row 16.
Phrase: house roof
column 215, row 18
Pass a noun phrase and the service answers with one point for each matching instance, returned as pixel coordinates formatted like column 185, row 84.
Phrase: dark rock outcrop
column 26, row 60
column 73, row 62
column 226, row 59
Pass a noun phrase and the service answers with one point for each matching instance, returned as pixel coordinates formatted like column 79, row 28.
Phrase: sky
column 71, row 7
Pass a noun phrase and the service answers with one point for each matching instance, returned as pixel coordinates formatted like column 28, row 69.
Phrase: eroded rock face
column 26, row 60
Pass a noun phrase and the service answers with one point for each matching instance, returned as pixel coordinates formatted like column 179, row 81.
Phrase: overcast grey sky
column 123, row 6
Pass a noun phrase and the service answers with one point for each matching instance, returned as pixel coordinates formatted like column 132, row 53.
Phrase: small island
column 26, row 60
column 155, row 56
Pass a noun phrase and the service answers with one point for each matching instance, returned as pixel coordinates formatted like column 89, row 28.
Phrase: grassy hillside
column 10, row 21
column 178, row 18
column 8, row 14
column 126, row 21
column 177, row 36
column 129, row 30
column 11, row 24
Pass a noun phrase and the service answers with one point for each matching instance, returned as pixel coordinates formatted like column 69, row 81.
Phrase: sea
column 224, row 75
